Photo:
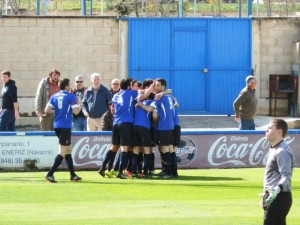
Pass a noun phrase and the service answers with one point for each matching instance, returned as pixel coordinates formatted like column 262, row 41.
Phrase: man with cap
column 245, row 105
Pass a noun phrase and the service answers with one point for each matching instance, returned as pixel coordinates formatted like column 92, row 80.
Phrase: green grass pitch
column 202, row 197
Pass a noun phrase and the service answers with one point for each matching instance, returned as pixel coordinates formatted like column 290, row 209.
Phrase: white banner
column 15, row 149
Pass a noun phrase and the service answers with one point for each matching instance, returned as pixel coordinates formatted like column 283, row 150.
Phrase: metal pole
column 38, row 7
column 249, row 8
column 180, row 8
column 195, row 5
column 44, row 8
column 101, row 7
column 240, row 8
column 257, row 8
column 91, row 7
column 6, row 5
column 83, row 7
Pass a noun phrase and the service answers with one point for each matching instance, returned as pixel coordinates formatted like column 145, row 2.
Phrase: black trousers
column 276, row 213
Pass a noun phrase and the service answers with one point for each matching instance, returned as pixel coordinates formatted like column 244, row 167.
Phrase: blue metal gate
column 204, row 61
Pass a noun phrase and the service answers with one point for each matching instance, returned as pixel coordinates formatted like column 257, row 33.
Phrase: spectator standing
column 95, row 103
column 115, row 86
column 63, row 103
column 245, row 105
column 107, row 118
column 79, row 120
column 278, row 175
column 46, row 88
column 9, row 110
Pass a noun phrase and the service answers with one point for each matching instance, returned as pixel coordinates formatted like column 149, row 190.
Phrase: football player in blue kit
column 142, row 139
column 165, row 126
column 64, row 104
column 176, row 139
column 123, row 104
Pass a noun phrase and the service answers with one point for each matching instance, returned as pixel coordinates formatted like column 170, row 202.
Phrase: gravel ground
column 185, row 122
column 207, row 122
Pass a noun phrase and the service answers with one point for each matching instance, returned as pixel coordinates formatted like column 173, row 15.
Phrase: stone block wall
column 31, row 46
column 272, row 53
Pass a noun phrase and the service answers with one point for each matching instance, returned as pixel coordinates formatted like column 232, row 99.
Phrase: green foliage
column 168, row 7
column 214, row 197
column 123, row 8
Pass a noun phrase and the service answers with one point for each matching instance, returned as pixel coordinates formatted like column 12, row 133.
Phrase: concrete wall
column 31, row 46
column 272, row 53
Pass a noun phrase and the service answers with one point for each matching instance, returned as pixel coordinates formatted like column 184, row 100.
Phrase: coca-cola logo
column 186, row 152
column 239, row 151
column 91, row 150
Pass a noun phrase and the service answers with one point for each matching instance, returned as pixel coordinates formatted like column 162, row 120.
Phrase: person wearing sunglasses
column 79, row 120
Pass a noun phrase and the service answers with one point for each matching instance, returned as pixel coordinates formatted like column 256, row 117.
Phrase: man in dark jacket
column 79, row 120
column 245, row 105
column 95, row 103
column 9, row 101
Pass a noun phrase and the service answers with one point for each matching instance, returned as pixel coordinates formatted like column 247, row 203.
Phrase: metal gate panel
column 203, row 59
column 149, row 44
column 230, row 45
column 229, row 62
column 223, row 90
column 189, row 59
column 187, row 23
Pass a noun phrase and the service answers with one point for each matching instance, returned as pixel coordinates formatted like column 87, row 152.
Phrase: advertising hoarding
column 198, row 149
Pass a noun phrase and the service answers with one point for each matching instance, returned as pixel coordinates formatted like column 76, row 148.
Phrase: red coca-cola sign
column 195, row 150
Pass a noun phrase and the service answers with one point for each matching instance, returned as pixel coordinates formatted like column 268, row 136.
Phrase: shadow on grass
column 181, row 180
column 188, row 181
column 206, row 178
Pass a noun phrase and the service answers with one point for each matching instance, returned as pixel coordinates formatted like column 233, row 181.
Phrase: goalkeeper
column 277, row 199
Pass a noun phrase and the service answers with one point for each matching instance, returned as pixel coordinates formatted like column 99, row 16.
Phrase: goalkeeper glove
column 272, row 195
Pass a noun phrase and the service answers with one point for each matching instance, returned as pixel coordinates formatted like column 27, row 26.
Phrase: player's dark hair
column 5, row 72
column 280, row 124
column 147, row 83
column 64, row 83
column 140, row 85
column 151, row 96
column 125, row 83
column 133, row 82
column 163, row 82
